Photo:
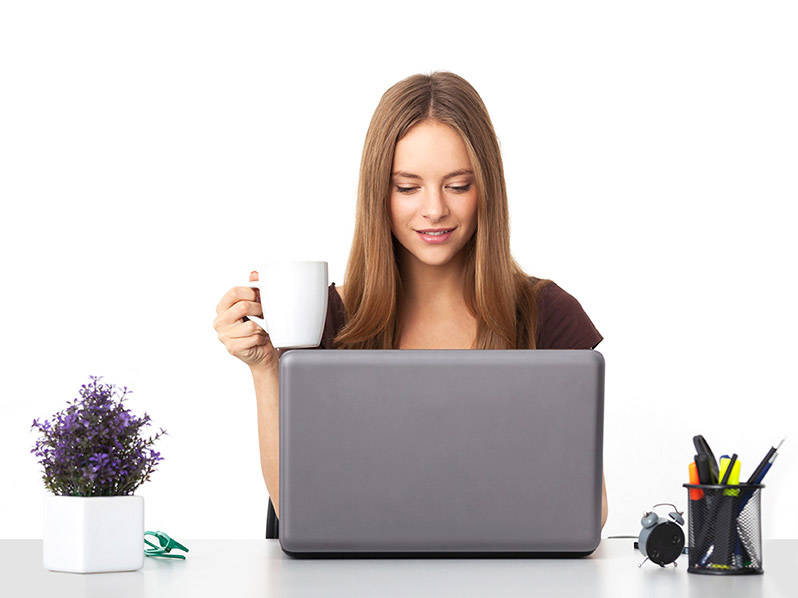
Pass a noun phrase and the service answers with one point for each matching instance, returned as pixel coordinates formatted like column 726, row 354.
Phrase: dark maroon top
column 563, row 324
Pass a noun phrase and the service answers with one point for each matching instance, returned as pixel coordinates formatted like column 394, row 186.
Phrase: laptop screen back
column 441, row 451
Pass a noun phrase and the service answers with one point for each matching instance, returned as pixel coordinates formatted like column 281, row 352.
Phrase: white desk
column 260, row 568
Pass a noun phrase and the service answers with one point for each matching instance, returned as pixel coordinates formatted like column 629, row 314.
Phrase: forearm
column 267, row 394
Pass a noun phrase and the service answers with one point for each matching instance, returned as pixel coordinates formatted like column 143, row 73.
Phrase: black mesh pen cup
column 724, row 528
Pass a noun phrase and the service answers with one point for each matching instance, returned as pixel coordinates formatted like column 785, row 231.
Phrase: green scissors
column 166, row 545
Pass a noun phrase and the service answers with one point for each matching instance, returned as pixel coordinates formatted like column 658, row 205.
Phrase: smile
column 439, row 237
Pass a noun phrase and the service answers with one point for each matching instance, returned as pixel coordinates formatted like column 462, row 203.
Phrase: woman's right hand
column 244, row 338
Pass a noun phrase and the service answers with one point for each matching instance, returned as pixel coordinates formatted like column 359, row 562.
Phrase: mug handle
column 254, row 284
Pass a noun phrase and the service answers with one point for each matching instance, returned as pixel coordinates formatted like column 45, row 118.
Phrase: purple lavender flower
column 94, row 447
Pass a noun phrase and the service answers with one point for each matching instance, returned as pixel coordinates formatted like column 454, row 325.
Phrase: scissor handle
column 166, row 544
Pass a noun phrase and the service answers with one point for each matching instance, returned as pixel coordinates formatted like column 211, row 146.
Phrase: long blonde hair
column 497, row 291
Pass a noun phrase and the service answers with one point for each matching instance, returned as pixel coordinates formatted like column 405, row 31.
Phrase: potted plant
column 94, row 456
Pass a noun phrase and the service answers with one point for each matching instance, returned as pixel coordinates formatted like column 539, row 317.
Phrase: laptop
column 416, row 453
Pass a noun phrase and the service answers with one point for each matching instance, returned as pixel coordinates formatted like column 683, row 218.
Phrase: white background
column 152, row 153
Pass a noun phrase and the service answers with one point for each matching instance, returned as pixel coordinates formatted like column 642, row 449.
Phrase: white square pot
column 93, row 534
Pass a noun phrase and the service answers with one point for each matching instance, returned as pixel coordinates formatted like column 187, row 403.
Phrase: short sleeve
column 563, row 322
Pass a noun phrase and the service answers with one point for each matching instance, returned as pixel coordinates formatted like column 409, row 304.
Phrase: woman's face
column 432, row 186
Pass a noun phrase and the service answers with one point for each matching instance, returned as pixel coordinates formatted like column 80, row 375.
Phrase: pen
column 725, row 469
column 759, row 473
column 723, row 517
column 721, row 513
column 767, row 468
column 745, row 546
column 765, row 464
column 729, row 473
column 739, row 553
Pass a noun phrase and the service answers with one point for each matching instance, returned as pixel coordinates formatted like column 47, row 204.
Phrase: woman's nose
column 433, row 204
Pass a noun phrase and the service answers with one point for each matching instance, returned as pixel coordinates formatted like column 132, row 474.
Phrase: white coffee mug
column 293, row 296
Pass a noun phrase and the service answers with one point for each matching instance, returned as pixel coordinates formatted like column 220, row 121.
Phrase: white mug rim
column 271, row 262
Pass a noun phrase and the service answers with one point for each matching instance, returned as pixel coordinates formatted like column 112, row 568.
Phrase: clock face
column 665, row 543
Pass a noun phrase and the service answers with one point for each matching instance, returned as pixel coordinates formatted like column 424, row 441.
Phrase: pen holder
column 724, row 528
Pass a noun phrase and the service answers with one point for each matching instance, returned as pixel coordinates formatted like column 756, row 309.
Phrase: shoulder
column 563, row 322
column 557, row 300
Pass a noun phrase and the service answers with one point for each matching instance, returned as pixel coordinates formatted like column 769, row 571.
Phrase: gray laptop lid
column 440, row 451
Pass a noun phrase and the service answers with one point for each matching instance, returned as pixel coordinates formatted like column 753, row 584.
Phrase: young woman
column 430, row 264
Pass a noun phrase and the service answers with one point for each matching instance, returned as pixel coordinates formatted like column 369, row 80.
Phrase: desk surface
column 260, row 568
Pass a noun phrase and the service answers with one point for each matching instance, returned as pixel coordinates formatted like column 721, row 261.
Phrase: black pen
column 760, row 471
column 759, row 474
column 732, row 461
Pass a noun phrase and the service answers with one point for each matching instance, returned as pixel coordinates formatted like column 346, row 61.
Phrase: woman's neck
column 433, row 288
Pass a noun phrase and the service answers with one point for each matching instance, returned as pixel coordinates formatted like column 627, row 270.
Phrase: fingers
column 234, row 295
column 236, row 312
column 242, row 335
column 242, row 330
column 253, row 277
column 240, row 344
column 237, row 293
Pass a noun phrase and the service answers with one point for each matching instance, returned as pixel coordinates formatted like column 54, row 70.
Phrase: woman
column 430, row 163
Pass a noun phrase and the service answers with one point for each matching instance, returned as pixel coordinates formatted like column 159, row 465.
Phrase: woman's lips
column 435, row 239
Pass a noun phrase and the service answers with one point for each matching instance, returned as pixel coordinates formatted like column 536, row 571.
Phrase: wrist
column 261, row 371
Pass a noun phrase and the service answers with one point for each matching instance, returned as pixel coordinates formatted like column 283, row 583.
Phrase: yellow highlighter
column 730, row 473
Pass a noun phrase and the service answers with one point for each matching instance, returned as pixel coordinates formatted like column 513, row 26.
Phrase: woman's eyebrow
column 410, row 175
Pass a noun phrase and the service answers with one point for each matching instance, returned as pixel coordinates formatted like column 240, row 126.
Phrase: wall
column 153, row 153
